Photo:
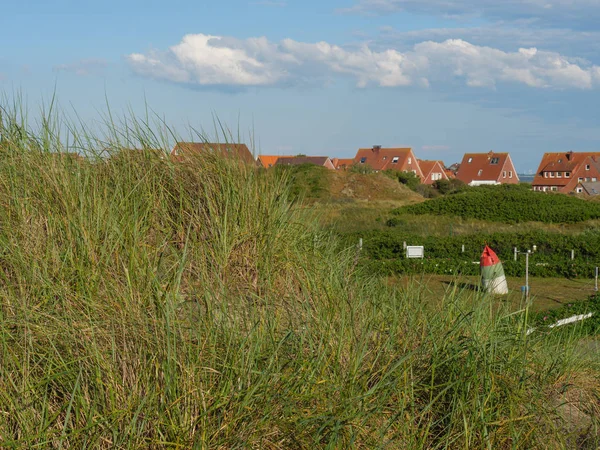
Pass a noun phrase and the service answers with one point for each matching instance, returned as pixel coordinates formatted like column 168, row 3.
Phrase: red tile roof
column 400, row 159
column 267, row 161
column 485, row 167
column 236, row 151
column 342, row 163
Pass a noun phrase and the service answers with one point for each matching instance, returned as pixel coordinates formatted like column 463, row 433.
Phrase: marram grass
column 148, row 304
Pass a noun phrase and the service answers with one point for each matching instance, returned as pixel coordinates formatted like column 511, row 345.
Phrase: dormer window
column 545, row 174
column 558, row 174
column 494, row 160
column 551, row 174
column 363, row 160
column 395, row 160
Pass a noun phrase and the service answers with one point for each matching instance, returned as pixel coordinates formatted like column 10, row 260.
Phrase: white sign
column 413, row 251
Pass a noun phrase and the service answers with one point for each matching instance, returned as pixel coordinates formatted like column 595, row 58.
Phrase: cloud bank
column 205, row 60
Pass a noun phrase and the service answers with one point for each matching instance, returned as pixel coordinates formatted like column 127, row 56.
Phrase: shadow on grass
column 464, row 286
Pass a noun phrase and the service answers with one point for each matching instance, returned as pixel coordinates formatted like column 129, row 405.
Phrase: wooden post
column 572, row 255
column 360, row 244
column 516, row 253
column 527, row 275
column 463, row 248
column 596, row 284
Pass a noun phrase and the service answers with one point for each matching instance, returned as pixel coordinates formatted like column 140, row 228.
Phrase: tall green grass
column 148, row 304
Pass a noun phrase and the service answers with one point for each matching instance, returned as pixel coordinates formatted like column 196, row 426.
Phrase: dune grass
column 147, row 304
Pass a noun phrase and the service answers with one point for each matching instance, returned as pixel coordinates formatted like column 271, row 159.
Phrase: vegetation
column 148, row 304
column 509, row 204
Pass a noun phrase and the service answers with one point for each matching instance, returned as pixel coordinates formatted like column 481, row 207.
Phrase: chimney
column 569, row 155
column 376, row 148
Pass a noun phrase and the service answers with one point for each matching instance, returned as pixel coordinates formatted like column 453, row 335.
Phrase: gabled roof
column 481, row 166
column 383, row 158
column 269, row 160
column 192, row 149
column 298, row 160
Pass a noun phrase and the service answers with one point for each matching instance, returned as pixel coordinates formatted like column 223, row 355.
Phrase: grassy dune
column 146, row 304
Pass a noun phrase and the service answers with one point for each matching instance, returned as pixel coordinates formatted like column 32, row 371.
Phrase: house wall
column 504, row 177
column 428, row 178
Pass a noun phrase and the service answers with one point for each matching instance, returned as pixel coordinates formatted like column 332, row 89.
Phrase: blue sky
column 442, row 76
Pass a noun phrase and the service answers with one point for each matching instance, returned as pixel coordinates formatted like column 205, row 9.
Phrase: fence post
column 360, row 244
column 596, row 284
column 516, row 253
column 572, row 255
column 463, row 248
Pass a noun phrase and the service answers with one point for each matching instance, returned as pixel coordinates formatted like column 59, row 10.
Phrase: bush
column 508, row 204
column 451, row 186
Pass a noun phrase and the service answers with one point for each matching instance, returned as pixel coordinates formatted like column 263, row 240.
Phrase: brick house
column 477, row 169
column 564, row 172
column 398, row 159
column 432, row 171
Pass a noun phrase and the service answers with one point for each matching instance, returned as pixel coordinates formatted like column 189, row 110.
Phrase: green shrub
column 508, row 204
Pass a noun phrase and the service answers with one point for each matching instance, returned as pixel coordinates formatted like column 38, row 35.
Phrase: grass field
column 546, row 293
column 152, row 304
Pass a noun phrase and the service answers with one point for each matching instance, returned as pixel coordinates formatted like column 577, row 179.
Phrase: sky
column 444, row 77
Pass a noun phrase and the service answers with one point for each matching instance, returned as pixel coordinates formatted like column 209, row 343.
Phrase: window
column 504, row 174
column 567, row 174
column 409, row 160
column 510, row 174
column 436, row 176
column 395, row 160
column 579, row 190
column 551, row 174
column 362, row 160
column 580, row 179
column 479, row 173
column 544, row 188
column 545, row 174
column 494, row 160
column 587, row 167
column 587, row 179
column 384, row 158
column 470, row 159
column 554, row 188
column 594, row 179
column 558, row 174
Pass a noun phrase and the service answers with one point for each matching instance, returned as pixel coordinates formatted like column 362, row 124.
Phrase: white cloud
column 218, row 61
column 83, row 67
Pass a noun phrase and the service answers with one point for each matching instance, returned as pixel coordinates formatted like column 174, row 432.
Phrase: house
column 181, row 150
column 324, row 161
column 564, row 172
column 477, row 169
column 342, row 163
column 398, row 159
column 267, row 161
column 432, row 171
